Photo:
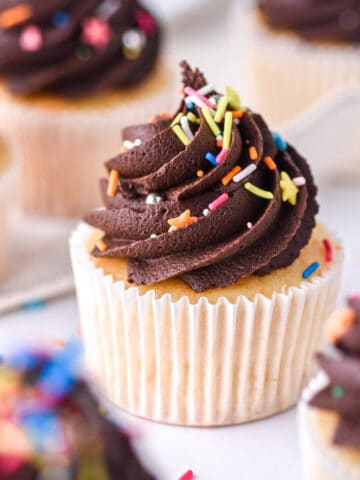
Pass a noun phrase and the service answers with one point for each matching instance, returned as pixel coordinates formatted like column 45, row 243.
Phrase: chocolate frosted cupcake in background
column 73, row 74
column 294, row 52
column 329, row 415
column 204, row 285
column 52, row 426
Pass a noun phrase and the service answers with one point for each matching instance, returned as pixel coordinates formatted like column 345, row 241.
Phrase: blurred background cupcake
column 329, row 415
column 73, row 73
column 294, row 52
column 9, row 178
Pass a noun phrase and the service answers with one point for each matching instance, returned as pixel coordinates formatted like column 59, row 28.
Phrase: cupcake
column 294, row 52
column 9, row 169
column 52, row 426
column 329, row 415
column 72, row 72
column 204, row 282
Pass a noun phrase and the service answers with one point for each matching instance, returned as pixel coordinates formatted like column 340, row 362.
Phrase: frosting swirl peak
column 74, row 47
column 208, row 195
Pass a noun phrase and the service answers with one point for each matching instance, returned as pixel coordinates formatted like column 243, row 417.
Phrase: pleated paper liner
column 321, row 459
column 65, row 143
column 281, row 74
column 198, row 364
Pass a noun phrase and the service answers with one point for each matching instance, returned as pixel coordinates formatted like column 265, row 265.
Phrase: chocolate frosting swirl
column 75, row 47
column 245, row 235
column 342, row 393
column 326, row 20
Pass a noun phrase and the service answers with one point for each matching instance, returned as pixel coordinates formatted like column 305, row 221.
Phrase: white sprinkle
column 137, row 142
column 244, row 173
column 236, row 121
column 128, row 145
column 249, row 225
column 153, row 235
column 108, row 8
column 206, row 89
column 134, row 39
column 206, row 212
column 219, row 137
column 153, row 198
column 185, row 126
column 299, row 181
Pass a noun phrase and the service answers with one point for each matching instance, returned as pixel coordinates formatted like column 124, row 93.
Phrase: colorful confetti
column 288, row 188
column 228, row 177
column 96, row 32
column 182, row 221
column 189, row 475
column 269, row 162
column 328, row 249
column 222, row 156
column 210, row 157
column 113, row 182
column 279, row 141
column 31, row 38
column 218, row 202
column 310, row 270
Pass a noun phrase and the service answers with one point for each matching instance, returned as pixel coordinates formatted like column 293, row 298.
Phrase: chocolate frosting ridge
column 245, row 235
column 342, row 392
column 76, row 48
column 328, row 20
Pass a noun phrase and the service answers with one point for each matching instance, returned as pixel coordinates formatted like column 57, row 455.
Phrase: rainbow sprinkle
column 279, row 141
column 228, row 177
column 193, row 93
column 218, row 202
column 210, row 157
column 222, row 156
column 310, row 270
column 253, row 154
column 269, row 162
column 211, row 122
column 228, row 125
column 259, row 192
column 189, row 475
column 221, row 109
column 328, row 249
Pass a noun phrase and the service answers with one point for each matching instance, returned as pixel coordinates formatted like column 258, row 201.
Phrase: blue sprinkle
column 279, row 141
column 190, row 105
column 210, row 157
column 34, row 304
column 61, row 19
column 310, row 270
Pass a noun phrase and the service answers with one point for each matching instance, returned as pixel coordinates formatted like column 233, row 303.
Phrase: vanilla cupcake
column 293, row 53
column 9, row 173
column 329, row 415
column 73, row 74
column 204, row 283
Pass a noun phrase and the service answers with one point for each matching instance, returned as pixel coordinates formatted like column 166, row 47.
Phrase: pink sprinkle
column 219, row 201
column 355, row 296
column 145, row 21
column 9, row 464
column 249, row 225
column 299, row 181
column 191, row 91
column 329, row 250
column 31, row 38
column 222, row 155
column 189, row 475
column 96, row 32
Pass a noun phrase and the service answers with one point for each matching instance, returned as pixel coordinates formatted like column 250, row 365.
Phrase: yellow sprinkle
column 101, row 245
column 259, row 192
column 227, row 131
column 288, row 188
column 253, row 153
column 234, row 99
column 222, row 106
column 176, row 119
column 210, row 121
column 200, row 173
column 179, row 132
column 227, row 179
column 113, row 180
column 193, row 118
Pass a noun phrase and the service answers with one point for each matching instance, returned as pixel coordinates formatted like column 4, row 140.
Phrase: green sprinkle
column 337, row 391
column 233, row 97
column 192, row 117
column 222, row 106
column 259, row 192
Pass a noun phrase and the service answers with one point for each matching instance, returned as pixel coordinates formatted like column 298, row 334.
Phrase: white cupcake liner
column 317, row 460
column 64, row 149
column 8, row 182
column 282, row 75
column 202, row 364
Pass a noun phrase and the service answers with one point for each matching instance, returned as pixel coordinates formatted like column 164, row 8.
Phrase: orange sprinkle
column 59, row 342
column 181, row 90
column 113, row 181
column 15, row 15
column 339, row 323
column 253, row 153
column 237, row 113
column 123, row 149
column 200, row 173
column 101, row 245
column 227, row 179
column 181, row 221
column 269, row 162
column 163, row 115
column 152, row 120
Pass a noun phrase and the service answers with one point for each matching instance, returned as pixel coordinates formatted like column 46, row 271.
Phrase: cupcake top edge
column 315, row 20
column 342, row 368
column 76, row 48
column 209, row 194
column 52, row 426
